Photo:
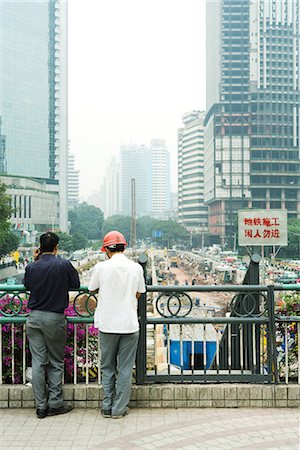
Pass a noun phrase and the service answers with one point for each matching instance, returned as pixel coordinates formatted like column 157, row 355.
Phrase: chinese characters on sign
column 263, row 227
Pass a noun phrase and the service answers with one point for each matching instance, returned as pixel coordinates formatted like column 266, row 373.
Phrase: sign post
column 262, row 227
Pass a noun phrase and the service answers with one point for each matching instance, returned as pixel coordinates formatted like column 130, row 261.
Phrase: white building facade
column 192, row 212
column 73, row 182
column 35, row 207
column 160, row 179
column 113, row 192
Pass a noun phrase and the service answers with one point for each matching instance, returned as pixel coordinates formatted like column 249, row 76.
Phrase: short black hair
column 48, row 241
column 117, row 248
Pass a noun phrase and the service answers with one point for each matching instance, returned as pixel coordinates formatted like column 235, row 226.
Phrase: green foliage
column 145, row 226
column 65, row 242
column 79, row 241
column 96, row 245
column 8, row 240
column 70, row 243
column 293, row 248
column 5, row 208
column 119, row 223
column 86, row 220
column 294, row 237
column 289, row 304
column 172, row 231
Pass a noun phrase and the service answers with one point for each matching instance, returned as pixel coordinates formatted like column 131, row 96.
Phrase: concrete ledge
column 168, row 396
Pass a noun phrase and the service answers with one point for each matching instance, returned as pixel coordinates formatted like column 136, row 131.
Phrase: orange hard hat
column 113, row 238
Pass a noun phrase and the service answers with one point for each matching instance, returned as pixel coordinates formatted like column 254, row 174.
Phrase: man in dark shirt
column 48, row 279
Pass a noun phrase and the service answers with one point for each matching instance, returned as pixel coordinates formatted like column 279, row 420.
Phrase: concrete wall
column 168, row 396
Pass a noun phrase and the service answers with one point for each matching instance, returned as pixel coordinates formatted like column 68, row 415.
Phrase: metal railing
column 178, row 343
column 243, row 345
column 82, row 361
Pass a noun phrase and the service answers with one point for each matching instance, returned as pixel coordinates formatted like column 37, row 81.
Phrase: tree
column 8, row 243
column 293, row 248
column 119, row 223
column 69, row 243
column 86, row 220
column 172, row 232
column 8, row 240
column 5, row 208
column 65, row 242
column 79, row 241
column 145, row 226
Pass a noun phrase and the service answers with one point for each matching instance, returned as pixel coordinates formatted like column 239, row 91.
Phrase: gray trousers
column 117, row 359
column 46, row 333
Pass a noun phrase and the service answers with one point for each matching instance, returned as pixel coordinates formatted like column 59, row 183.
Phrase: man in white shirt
column 120, row 283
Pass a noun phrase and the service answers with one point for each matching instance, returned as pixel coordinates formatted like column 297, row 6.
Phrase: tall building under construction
column 252, row 126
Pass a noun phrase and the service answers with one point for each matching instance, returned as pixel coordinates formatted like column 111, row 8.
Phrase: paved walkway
column 153, row 429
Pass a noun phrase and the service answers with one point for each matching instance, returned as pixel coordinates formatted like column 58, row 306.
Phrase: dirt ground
column 218, row 299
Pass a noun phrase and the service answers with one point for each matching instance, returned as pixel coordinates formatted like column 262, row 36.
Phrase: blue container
column 211, row 347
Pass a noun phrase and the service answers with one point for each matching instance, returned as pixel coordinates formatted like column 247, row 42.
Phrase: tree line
column 9, row 241
column 88, row 226
column 87, row 223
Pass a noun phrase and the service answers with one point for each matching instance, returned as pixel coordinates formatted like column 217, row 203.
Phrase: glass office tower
column 33, row 93
column 135, row 163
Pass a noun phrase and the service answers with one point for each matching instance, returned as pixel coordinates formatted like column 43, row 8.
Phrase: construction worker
column 120, row 283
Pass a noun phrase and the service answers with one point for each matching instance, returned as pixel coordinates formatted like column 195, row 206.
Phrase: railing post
column 252, row 278
column 141, row 358
column 272, row 335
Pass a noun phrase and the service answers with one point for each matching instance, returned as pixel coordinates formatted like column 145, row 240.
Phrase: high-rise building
column 96, row 199
column 113, row 191
column 160, row 179
column 192, row 212
column 100, row 198
column 174, row 205
column 33, row 94
column 150, row 167
column 73, row 182
column 110, row 192
column 34, row 208
column 135, row 162
column 252, row 135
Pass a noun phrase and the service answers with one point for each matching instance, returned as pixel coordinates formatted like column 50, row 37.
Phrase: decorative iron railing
column 178, row 341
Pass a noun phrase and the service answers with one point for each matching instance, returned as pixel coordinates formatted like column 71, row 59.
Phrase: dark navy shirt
column 48, row 279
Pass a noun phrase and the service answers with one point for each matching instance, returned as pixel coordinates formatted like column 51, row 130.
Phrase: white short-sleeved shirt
column 118, row 280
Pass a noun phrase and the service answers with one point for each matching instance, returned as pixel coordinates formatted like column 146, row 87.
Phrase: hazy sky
column 135, row 67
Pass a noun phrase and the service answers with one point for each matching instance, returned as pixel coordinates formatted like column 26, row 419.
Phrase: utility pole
column 133, row 217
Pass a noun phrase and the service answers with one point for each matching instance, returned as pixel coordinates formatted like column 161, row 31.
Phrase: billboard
column 262, row 227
